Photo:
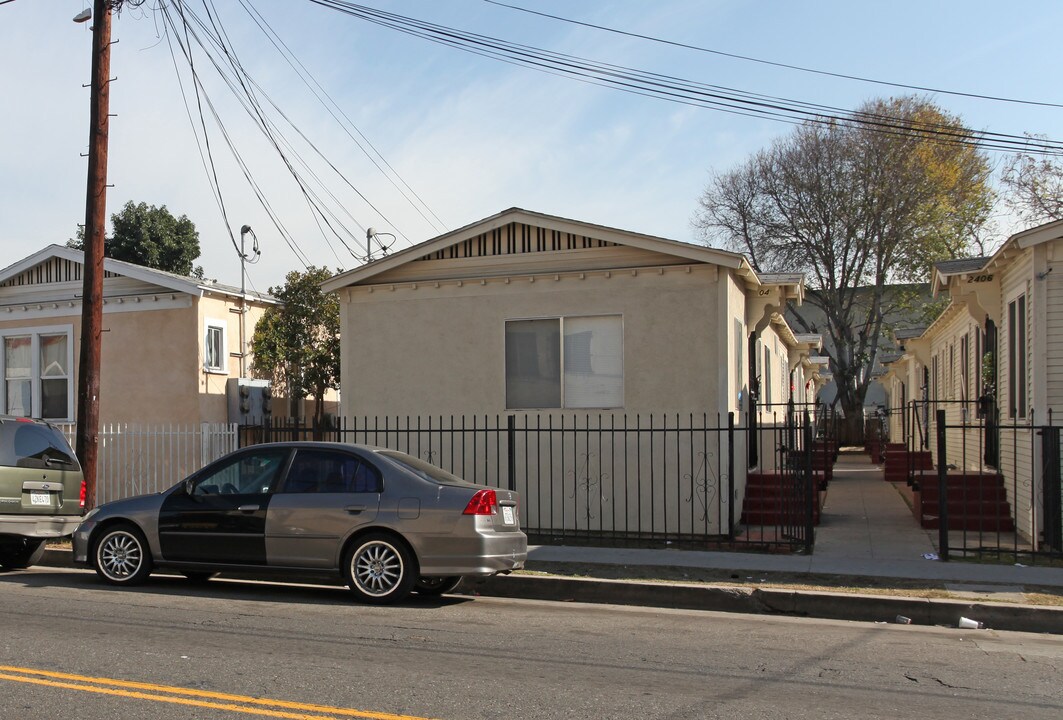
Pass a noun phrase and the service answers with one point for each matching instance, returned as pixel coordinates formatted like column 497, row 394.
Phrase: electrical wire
column 689, row 92
column 333, row 108
column 187, row 27
column 787, row 66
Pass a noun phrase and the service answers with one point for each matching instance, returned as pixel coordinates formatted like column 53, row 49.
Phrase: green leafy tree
column 150, row 236
column 296, row 345
column 856, row 209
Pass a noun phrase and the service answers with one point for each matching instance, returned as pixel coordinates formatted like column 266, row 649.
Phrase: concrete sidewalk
column 866, row 531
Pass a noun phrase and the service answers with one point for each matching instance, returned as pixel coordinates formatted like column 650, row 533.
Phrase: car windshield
column 422, row 469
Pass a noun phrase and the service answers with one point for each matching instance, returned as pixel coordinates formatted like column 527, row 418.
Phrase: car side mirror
column 190, row 488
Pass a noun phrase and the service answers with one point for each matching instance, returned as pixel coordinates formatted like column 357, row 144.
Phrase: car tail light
column 485, row 502
column 84, row 492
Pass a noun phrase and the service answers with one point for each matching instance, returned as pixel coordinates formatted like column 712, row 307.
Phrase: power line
column 333, row 108
column 688, row 92
column 211, row 34
column 773, row 63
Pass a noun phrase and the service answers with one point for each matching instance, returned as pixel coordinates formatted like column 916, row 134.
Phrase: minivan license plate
column 40, row 498
column 507, row 515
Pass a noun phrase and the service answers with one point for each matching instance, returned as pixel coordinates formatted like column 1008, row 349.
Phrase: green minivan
column 42, row 493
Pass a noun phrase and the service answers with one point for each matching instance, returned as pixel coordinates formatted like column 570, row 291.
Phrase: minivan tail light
column 485, row 502
column 84, row 492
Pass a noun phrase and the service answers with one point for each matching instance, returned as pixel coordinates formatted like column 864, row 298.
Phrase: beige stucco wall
column 419, row 349
column 151, row 354
column 211, row 385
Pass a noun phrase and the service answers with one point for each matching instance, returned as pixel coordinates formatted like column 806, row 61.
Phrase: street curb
column 754, row 601
column 769, row 601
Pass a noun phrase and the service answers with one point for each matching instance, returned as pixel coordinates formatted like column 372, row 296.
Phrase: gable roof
column 168, row 280
column 695, row 253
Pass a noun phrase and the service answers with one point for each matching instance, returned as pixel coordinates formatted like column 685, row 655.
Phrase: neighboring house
column 992, row 362
column 527, row 312
column 616, row 357
column 170, row 344
column 904, row 306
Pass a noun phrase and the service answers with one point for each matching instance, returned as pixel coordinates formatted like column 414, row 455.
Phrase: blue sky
column 473, row 136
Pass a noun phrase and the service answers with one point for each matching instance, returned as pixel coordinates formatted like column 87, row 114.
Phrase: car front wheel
column 379, row 569
column 121, row 556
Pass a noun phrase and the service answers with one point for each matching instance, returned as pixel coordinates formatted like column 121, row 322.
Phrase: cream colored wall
column 1052, row 289
column 148, row 367
column 735, row 359
column 142, row 363
column 1016, row 444
column 441, row 350
column 964, row 448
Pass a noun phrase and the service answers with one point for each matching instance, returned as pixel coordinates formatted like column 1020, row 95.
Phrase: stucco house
column 616, row 355
column 991, row 362
column 170, row 346
column 524, row 311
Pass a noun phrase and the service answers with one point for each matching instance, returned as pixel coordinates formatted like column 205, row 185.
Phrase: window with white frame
column 214, row 355
column 1017, row 399
column 36, row 372
column 568, row 362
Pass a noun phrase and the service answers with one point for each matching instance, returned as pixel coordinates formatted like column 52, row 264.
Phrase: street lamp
column 244, row 232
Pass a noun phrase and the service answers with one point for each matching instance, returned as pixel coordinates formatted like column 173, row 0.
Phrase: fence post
column 511, row 449
column 1052, row 525
column 810, row 485
column 943, row 488
column 204, row 441
column 730, row 475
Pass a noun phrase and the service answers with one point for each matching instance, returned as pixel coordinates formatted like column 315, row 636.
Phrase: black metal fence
column 994, row 488
column 678, row 480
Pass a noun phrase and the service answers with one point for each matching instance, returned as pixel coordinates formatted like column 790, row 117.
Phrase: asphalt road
column 73, row 648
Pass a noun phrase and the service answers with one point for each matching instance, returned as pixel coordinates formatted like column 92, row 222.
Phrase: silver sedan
column 384, row 522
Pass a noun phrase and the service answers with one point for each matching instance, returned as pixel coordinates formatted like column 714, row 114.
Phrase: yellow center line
column 197, row 698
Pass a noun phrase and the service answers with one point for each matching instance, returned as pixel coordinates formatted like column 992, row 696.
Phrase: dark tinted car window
column 248, row 474
column 34, row 445
column 422, row 469
column 330, row 471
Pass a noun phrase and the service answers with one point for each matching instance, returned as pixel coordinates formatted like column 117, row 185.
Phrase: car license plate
column 40, row 498
column 507, row 515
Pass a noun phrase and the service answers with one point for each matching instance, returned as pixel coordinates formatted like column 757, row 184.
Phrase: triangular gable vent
column 515, row 239
column 53, row 270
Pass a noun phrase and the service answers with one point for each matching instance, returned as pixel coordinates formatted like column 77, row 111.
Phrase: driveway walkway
column 865, row 518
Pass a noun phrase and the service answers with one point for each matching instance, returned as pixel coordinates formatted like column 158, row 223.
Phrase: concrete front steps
column 773, row 499
column 901, row 463
column 977, row 501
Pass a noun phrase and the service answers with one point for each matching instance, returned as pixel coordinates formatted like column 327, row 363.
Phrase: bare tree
column 856, row 209
column 1034, row 187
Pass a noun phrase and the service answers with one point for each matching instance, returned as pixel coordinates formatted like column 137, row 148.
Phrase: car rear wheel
column 436, row 584
column 379, row 569
column 121, row 556
column 21, row 553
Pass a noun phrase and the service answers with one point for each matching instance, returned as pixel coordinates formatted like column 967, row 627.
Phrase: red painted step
column 776, row 499
column 976, row 501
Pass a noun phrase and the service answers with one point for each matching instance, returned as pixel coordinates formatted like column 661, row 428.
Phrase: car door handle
column 247, row 508
column 354, row 509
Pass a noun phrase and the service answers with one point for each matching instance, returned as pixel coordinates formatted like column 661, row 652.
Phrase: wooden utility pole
column 88, row 411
